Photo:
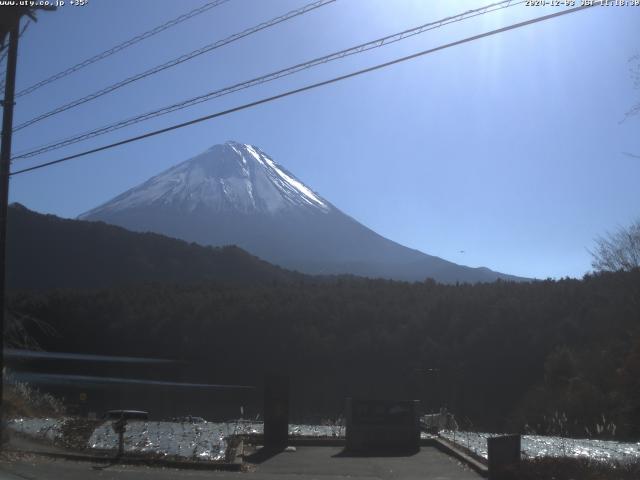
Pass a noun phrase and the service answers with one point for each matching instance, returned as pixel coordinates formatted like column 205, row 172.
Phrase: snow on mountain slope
column 233, row 177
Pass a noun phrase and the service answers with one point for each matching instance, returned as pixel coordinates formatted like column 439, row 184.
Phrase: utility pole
column 9, row 26
column 5, row 163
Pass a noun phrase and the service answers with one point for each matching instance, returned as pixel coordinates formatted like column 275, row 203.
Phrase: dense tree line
column 547, row 356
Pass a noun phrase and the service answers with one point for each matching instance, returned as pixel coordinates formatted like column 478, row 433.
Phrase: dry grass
column 22, row 400
column 76, row 432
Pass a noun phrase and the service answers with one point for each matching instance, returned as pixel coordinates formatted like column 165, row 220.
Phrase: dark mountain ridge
column 45, row 251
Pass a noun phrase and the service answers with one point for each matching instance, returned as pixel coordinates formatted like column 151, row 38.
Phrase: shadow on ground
column 262, row 455
column 376, row 453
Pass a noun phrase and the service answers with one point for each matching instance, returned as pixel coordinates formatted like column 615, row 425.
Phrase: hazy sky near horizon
column 511, row 148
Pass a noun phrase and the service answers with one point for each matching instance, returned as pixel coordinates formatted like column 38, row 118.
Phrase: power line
column 121, row 46
column 306, row 88
column 177, row 61
column 389, row 39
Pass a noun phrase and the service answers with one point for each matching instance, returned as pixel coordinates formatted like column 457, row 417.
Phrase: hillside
column 45, row 251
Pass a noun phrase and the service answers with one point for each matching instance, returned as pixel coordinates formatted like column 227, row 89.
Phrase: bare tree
column 619, row 250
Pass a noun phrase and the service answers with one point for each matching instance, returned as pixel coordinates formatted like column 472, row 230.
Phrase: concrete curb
column 451, row 449
column 128, row 460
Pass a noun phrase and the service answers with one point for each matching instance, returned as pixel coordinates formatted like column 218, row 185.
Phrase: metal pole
column 121, row 443
column 5, row 164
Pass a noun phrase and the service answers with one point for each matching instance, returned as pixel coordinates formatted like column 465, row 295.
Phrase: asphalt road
column 306, row 463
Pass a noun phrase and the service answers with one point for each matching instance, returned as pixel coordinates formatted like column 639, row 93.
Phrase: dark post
column 121, row 443
column 119, row 427
column 276, row 412
column 348, row 423
column 5, row 162
column 503, row 457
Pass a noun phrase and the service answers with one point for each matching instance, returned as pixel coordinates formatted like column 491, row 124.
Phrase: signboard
column 382, row 425
column 375, row 412
column 503, row 457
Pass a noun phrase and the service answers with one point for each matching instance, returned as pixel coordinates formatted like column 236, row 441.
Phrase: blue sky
column 510, row 148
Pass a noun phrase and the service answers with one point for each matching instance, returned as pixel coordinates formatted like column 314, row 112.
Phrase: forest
column 552, row 356
column 546, row 356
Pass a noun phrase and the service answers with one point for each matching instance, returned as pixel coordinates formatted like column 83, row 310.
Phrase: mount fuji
column 236, row 194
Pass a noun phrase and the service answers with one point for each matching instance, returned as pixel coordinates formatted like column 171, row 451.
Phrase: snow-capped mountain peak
column 232, row 177
column 235, row 194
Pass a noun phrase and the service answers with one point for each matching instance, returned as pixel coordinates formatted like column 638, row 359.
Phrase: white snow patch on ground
column 534, row 446
column 38, row 428
column 195, row 441
column 208, row 440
